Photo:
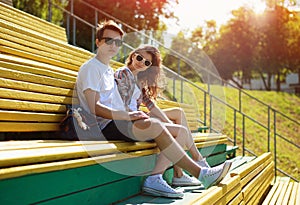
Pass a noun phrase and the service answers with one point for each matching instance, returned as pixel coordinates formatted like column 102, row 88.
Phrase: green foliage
column 250, row 45
column 40, row 8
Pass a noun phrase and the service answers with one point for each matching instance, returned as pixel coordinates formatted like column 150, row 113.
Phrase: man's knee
column 148, row 129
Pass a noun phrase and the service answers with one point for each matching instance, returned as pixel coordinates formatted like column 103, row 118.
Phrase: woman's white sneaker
column 185, row 180
column 155, row 185
column 212, row 176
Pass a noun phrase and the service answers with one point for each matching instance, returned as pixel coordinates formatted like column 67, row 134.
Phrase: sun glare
column 258, row 6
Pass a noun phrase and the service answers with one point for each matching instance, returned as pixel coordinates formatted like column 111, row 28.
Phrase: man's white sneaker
column 155, row 185
column 212, row 176
column 185, row 180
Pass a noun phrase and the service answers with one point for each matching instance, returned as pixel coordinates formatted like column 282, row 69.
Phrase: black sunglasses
column 109, row 41
column 138, row 57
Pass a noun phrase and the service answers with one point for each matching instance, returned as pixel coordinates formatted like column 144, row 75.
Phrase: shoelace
column 164, row 183
column 212, row 172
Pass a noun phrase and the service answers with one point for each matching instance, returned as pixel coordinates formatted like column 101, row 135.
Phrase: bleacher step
column 191, row 194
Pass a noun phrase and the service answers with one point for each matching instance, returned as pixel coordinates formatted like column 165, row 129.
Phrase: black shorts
column 119, row 130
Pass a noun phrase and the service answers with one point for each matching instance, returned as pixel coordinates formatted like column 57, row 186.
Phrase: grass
column 261, row 123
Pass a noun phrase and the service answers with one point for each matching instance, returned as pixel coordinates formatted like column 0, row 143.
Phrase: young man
column 98, row 94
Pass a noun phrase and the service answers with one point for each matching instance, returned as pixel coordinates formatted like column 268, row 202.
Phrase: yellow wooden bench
column 31, row 22
column 37, row 77
column 247, row 183
column 283, row 191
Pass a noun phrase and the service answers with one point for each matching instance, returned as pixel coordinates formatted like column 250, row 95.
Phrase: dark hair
column 150, row 76
column 109, row 25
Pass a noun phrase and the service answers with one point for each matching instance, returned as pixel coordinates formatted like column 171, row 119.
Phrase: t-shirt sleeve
column 90, row 80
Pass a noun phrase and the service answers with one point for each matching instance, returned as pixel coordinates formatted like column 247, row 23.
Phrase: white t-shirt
column 99, row 77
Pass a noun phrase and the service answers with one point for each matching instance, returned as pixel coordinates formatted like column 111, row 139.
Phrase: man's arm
column 101, row 110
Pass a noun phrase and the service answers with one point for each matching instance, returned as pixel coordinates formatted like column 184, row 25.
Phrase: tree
column 40, row 8
column 140, row 14
column 233, row 50
column 275, row 35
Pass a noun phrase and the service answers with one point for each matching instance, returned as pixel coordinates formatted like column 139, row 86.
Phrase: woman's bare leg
column 177, row 115
column 154, row 129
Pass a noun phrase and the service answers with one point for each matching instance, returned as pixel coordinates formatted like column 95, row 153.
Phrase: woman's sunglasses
column 138, row 57
column 109, row 41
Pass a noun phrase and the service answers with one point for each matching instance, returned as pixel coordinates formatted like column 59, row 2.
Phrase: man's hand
column 137, row 115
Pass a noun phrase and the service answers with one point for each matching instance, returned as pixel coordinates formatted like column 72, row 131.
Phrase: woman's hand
column 138, row 115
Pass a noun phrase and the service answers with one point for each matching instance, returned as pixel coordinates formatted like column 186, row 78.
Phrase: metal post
column 74, row 23
column 240, row 100
column 174, row 90
column 234, row 128
column 204, row 107
column 269, row 128
column 210, row 112
column 49, row 10
column 275, row 149
column 181, row 91
column 243, row 135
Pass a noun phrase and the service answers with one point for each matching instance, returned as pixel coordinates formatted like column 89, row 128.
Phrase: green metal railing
column 208, row 98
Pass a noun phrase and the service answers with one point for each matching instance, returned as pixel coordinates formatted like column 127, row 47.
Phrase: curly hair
column 149, row 77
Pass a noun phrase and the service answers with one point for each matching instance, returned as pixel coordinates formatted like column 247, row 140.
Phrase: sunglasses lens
column 147, row 63
column 109, row 41
column 118, row 42
column 139, row 58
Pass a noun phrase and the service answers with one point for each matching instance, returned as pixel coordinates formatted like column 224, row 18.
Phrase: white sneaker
column 212, row 176
column 157, row 186
column 203, row 163
column 185, row 180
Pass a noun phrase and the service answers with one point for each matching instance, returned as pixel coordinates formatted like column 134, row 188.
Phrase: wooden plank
column 210, row 143
column 256, row 198
column 210, row 137
column 32, row 96
column 46, row 72
column 292, row 199
column 33, row 78
column 33, row 87
column 37, row 46
column 283, row 193
column 28, row 127
column 255, row 172
column 31, row 106
column 36, row 67
column 271, row 194
column 6, row 173
column 104, row 194
column 297, row 194
column 236, row 200
column 288, row 193
column 33, row 144
column 47, row 154
column 16, row 116
column 80, row 53
column 245, row 169
column 26, row 52
column 219, row 191
column 66, row 181
column 229, row 195
column 31, row 22
column 249, row 190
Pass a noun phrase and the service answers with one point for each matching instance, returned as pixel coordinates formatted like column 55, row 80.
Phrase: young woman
column 138, row 83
